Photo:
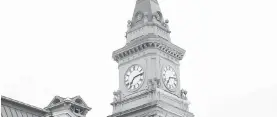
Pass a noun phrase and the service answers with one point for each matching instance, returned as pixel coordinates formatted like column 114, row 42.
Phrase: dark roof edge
column 23, row 104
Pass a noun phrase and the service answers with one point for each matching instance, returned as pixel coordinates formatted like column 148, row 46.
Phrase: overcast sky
column 64, row 47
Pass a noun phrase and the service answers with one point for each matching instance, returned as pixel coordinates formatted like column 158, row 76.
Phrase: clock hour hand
column 169, row 79
column 135, row 77
column 172, row 77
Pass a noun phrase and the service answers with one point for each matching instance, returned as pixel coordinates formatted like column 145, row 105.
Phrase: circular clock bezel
column 174, row 89
column 132, row 90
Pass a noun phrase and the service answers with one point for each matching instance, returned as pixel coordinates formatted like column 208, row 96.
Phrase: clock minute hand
column 135, row 77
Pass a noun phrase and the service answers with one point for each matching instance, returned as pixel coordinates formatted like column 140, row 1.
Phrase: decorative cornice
column 144, row 43
column 144, row 106
column 157, row 103
column 169, row 111
column 152, row 90
column 149, row 24
column 145, row 92
column 150, row 28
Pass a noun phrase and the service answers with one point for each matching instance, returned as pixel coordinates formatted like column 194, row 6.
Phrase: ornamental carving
column 157, row 82
column 129, row 25
column 145, row 17
column 184, row 94
column 153, row 83
column 150, row 84
column 158, row 16
column 139, row 16
column 117, row 96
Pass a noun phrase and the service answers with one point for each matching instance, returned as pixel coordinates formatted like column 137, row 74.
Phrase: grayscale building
column 58, row 107
column 149, row 75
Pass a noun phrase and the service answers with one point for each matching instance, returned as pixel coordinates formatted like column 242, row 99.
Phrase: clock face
column 169, row 78
column 133, row 77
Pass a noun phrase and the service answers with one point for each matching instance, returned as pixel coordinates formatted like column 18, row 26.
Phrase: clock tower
column 149, row 75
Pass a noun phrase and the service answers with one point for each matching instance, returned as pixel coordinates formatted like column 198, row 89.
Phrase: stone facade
column 149, row 75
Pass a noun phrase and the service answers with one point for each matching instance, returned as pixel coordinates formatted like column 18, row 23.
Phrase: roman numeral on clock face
column 169, row 78
column 134, row 77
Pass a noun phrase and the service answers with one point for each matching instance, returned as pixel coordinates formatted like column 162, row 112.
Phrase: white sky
column 64, row 47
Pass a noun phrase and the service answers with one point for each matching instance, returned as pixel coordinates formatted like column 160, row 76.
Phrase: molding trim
column 157, row 103
column 158, row 95
column 149, row 24
column 145, row 106
column 145, row 43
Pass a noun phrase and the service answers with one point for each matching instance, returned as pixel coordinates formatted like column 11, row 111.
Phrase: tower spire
column 147, row 19
column 146, row 7
column 149, row 73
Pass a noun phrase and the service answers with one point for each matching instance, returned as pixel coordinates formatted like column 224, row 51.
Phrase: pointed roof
column 149, row 7
column 147, row 19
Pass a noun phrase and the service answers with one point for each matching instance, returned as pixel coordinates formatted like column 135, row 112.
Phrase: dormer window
column 79, row 101
column 77, row 110
column 75, row 105
column 56, row 101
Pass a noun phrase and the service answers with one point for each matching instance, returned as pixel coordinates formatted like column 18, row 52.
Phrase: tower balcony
column 154, row 100
column 146, row 29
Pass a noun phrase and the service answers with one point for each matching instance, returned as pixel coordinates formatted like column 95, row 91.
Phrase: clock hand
column 169, row 79
column 135, row 77
column 172, row 77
